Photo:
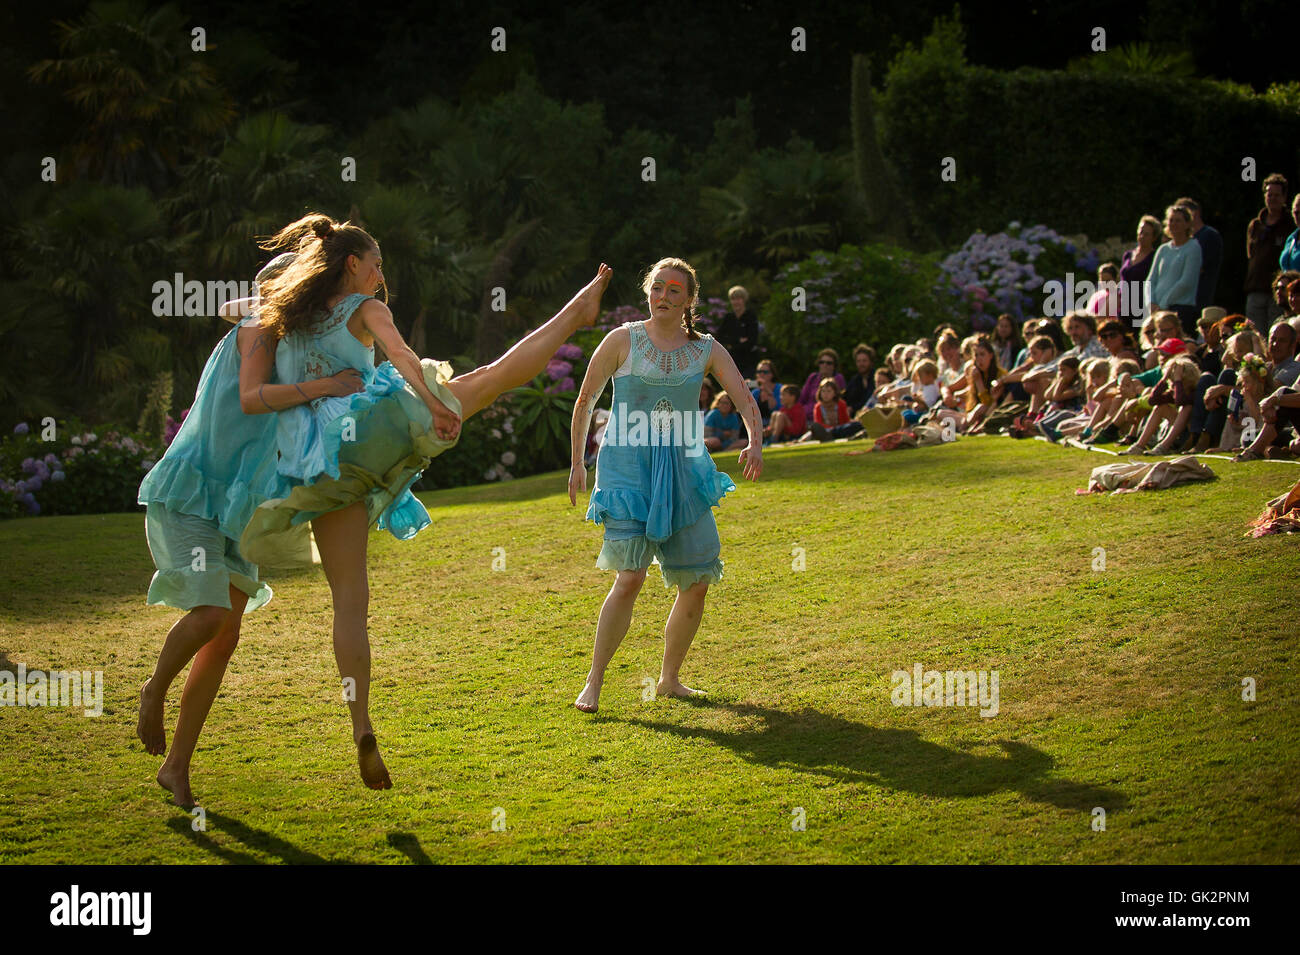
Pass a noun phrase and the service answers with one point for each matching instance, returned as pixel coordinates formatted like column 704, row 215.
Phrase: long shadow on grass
column 810, row 741
column 250, row 837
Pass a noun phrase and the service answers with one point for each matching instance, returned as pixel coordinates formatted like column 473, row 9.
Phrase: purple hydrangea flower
column 21, row 428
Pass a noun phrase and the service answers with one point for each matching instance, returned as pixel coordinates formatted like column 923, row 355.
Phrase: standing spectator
column 1006, row 341
column 1175, row 270
column 828, row 363
column 1104, row 302
column 1266, row 237
column 1211, row 241
column 1136, row 266
column 767, row 394
column 739, row 330
column 859, row 388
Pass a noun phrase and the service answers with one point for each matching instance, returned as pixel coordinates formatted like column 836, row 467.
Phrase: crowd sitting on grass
column 1159, row 391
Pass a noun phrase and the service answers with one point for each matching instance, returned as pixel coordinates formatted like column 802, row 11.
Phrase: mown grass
column 1119, row 689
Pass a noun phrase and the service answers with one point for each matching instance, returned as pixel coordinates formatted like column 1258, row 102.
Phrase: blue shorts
column 686, row 558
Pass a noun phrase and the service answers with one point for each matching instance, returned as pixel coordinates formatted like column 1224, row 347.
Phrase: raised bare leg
column 683, row 622
column 341, row 539
column 527, row 358
column 611, row 628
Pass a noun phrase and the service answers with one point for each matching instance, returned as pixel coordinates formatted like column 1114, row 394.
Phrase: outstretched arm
column 257, row 361
column 605, row 360
column 237, row 308
column 378, row 321
column 723, row 367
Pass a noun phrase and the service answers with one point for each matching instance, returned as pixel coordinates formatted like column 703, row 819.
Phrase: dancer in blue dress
column 656, row 484
column 219, row 467
column 346, row 465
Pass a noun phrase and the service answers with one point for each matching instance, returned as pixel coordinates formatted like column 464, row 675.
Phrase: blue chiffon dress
column 656, row 485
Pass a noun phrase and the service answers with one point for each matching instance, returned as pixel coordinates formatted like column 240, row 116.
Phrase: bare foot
column 589, row 697
column 678, row 689
column 587, row 301
column 178, row 784
column 149, row 725
column 373, row 771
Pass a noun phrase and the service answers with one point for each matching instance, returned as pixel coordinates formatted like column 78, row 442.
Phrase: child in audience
column 831, row 418
column 722, row 425
column 789, row 423
column 925, row 390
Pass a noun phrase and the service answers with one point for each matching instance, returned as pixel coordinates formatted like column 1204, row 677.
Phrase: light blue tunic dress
column 370, row 446
column 656, row 485
column 219, row 467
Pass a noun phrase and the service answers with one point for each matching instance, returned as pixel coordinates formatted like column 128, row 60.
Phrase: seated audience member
column 983, row 389
column 789, row 423
column 707, row 392
column 1110, row 398
column 1063, row 397
column 925, row 390
column 883, row 380
column 767, row 391
column 1171, row 401
column 828, row 362
column 722, row 425
column 1095, row 373
column 1117, row 341
column 1168, row 327
column 1036, row 373
column 862, row 384
column 1277, row 401
column 1082, row 330
column 1006, row 341
column 831, row 418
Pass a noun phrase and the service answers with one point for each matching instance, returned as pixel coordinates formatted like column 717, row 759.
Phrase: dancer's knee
column 628, row 582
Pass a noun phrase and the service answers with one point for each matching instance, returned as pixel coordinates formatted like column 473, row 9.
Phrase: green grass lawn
column 1119, row 688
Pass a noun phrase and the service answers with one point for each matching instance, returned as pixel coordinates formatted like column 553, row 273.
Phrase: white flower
column 76, row 439
column 496, row 434
column 509, row 426
column 490, row 474
column 508, row 458
column 91, row 437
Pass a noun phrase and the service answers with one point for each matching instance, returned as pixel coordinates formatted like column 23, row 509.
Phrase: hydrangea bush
column 878, row 294
column 1005, row 272
column 82, row 473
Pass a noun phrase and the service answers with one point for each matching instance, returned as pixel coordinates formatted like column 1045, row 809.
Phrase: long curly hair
column 295, row 298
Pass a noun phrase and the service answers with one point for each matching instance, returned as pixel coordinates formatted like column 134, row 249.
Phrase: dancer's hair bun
column 323, row 227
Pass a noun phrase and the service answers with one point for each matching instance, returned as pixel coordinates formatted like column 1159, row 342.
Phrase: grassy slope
column 1119, row 689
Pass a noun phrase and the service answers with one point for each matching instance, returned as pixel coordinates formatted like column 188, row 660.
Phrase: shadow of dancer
column 810, row 741
column 250, row 837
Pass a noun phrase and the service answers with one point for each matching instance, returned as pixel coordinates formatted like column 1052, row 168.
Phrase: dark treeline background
column 523, row 169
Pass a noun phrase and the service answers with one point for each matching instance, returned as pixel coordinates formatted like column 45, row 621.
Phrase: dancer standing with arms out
column 349, row 463
column 656, row 485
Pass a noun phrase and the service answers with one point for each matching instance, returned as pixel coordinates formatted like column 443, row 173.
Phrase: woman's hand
column 752, row 458
column 446, row 423
column 346, row 382
column 577, row 481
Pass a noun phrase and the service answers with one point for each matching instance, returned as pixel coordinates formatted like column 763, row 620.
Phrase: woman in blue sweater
column 1175, row 270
